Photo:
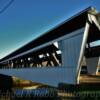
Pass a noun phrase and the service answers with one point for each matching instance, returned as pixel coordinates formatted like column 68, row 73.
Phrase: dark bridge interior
column 94, row 35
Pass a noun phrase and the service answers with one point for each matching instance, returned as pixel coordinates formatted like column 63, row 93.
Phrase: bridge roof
column 75, row 22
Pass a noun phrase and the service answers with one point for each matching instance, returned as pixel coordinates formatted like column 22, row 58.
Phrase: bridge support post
column 98, row 67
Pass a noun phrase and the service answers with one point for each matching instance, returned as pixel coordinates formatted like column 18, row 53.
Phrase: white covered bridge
column 58, row 55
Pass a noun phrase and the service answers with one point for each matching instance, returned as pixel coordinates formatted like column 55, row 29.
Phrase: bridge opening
column 49, row 56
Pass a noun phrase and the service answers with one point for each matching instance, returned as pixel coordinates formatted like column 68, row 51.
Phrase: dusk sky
column 25, row 20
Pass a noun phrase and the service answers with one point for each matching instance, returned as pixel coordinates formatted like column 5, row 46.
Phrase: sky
column 24, row 20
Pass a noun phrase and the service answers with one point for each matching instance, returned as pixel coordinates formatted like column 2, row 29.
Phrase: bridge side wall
column 70, row 48
column 51, row 76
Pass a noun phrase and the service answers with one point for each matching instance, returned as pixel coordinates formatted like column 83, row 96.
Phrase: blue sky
column 25, row 20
